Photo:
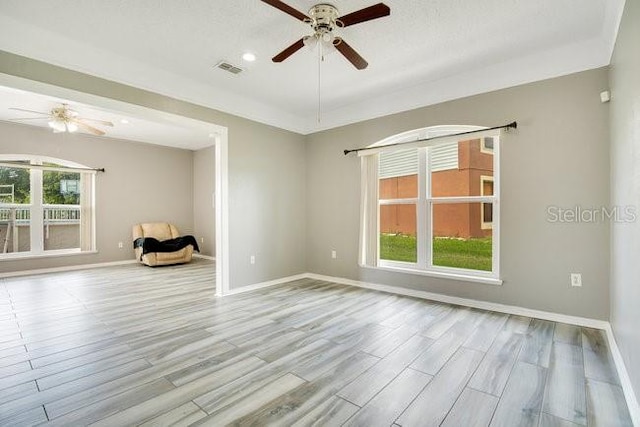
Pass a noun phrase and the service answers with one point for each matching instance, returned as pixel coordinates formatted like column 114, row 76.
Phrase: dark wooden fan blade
column 367, row 14
column 29, row 111
column 289, row 51
column 286, row 9
column 351, row 55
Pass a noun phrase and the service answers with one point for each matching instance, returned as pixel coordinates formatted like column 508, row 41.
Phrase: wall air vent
column 226, row 66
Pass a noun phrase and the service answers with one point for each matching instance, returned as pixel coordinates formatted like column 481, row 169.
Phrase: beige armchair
column 160, row 231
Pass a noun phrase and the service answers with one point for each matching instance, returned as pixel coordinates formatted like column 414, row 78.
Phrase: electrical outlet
column 202, row 240
column 120, row 245
column 576, row 279
column 334, row 254
column 252, row 259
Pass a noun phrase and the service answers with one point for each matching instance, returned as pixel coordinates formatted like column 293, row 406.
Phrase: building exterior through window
column 437, row 206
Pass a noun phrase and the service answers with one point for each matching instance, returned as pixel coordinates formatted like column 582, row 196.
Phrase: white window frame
column 484, row 148
column 36, row 206
column 485, row 225
column 424, row 208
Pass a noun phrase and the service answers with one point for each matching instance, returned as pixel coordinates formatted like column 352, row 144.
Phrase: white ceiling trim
column 612, row 19
column 545, row 65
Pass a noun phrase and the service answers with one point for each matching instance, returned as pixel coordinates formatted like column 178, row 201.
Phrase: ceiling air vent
column 224, row 65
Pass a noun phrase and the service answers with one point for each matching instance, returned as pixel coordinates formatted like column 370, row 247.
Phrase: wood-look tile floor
column 132, row 345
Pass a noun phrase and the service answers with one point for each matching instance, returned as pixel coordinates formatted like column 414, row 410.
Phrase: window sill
column 439, row 274
column 48, row 254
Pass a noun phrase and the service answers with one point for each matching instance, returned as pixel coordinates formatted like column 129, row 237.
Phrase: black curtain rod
column 28, row 166
column 512, row 125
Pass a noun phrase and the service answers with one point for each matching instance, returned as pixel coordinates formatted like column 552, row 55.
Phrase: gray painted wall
column 204, row 185
column 267, row 203
column 136, row 187
column 625, row 189
column 267, row 210
column 291, row 203
column 558, row 156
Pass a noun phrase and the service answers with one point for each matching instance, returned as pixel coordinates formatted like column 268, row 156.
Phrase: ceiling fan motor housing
column 63, row 113
column 324, row 19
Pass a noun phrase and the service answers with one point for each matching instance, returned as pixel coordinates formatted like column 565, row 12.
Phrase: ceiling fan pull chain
column 320, row 59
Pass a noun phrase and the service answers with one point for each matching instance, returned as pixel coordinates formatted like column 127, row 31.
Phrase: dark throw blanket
column 149, row 244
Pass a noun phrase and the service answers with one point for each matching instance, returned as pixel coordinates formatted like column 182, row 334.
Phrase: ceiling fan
column 64, row 119
column 324, row 19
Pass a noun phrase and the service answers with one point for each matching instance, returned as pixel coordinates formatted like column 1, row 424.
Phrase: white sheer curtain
column 87, row 226
column 369, row 210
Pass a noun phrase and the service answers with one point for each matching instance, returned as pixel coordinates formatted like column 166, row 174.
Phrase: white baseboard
column 267, row 284
column 211, row 258
column 66, row 268
column 484, row 305
column 625, row 381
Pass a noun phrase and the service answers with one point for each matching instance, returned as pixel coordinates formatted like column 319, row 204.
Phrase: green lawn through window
column 473, row 254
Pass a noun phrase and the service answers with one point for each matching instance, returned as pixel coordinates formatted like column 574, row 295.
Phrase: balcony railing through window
column 61, row 214
column 61, row 227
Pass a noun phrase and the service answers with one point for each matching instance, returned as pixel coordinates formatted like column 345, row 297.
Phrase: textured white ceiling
column 425, row 52
column 171, row 131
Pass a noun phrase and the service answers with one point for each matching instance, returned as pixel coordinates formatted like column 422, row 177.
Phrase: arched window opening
column 46, row 207
column 432, row 207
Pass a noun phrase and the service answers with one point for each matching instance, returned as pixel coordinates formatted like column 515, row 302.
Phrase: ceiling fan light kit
column 62, row 119
column 59, row 127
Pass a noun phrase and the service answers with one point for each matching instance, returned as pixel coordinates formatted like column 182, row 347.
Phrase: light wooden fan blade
column 87, row 128
column 351, row 55
column 102, row 122
column 29, row 111
column 28, row 118
column 287, row 9
column 289, row 51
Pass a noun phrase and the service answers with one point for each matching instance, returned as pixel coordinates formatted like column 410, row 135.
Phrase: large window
column 46, row 207
column 436, row 207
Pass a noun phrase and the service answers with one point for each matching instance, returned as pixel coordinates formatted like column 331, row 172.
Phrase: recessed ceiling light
column 124, row 121
column 249, row 57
